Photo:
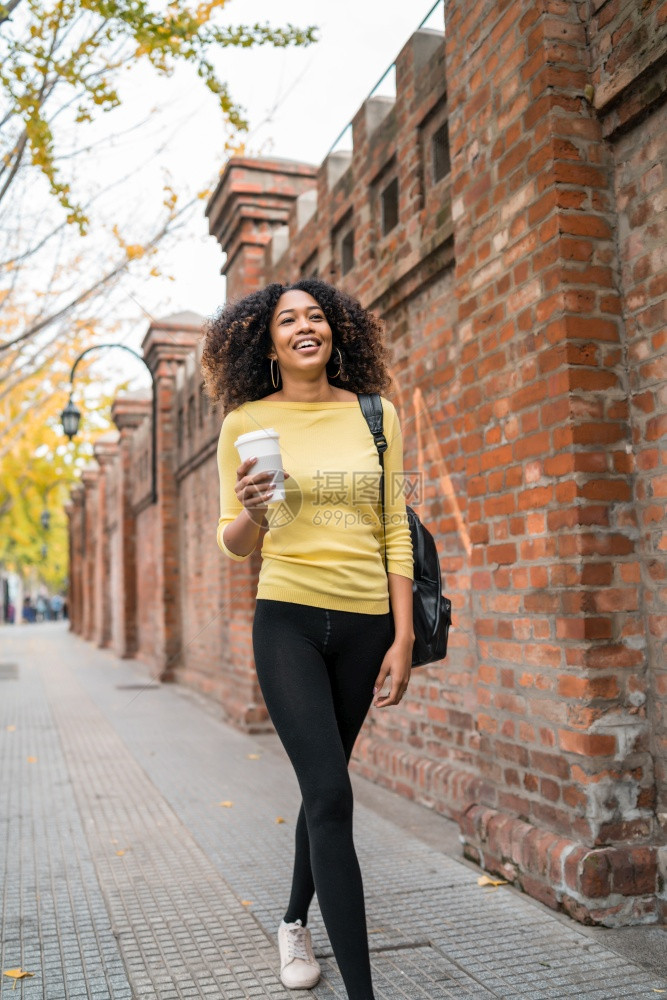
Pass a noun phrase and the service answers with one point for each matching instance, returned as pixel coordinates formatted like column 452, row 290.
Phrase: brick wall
column 629, row 44
column 505, row 215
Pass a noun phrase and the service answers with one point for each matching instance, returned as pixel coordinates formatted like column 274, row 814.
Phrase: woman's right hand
column 254, row 492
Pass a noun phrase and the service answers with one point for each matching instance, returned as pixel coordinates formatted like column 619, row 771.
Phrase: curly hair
column 237, row 340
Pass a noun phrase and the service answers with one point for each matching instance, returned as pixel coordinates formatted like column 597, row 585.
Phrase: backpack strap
column 371, row 407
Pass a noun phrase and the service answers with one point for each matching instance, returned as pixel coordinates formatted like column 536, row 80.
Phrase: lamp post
column 71, row 416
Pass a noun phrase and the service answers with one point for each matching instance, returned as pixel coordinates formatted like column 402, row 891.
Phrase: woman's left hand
column 397, row 664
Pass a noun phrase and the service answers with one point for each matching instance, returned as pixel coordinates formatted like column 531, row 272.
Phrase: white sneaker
column 299, row 969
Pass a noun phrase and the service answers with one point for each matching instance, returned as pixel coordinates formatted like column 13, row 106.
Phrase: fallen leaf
column 279, row 819
column 247, row 902
column 495, row 882
column 11, row 729
column 254, row 756
column 121, row 852
column 17, row 974
column 32, row 760
column 659, row 991
column 227, row 804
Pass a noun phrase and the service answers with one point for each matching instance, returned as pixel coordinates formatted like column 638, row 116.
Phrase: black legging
column 316, row 668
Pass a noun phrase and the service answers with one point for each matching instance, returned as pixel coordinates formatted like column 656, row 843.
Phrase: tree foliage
column 70, row 53
column 38, row 467
column 62, row 263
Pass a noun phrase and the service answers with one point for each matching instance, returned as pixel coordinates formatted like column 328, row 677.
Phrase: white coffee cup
column 265, row 445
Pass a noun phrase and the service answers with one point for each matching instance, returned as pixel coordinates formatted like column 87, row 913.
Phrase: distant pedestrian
column 56, row 606
column 29, row 613
column 330, row 624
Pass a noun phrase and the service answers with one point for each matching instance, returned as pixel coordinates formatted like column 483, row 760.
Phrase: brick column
column 567, row 807
column 89, row 549
column 105, row 450
column 253, row 199
column 127, row 412
column 74, row 511
column 166, row 345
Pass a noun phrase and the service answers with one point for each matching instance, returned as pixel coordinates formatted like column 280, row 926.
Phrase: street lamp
column 71, row 416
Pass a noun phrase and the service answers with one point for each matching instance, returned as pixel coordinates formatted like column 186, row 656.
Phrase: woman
column 330, row 624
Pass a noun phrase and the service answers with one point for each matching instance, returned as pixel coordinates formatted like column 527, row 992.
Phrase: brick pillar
column 252, row 200
column 105, row 450
column 165, row 347
column 74, row 511
column 89, row 548
column 567, row 806
column 628, row 43
column 127, row 412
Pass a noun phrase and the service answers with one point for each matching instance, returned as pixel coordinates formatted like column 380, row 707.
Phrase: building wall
column 522, row 289
column 640, row 183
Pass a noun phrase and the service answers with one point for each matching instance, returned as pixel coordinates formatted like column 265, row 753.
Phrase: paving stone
column 49, row 883
column 122, row 771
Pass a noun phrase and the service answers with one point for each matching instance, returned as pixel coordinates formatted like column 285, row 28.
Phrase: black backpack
column 431, row 610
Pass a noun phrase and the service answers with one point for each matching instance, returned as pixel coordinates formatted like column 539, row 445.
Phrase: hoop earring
column 340, row 365
column 273, row 380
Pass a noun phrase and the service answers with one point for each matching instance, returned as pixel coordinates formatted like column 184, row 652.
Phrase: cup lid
column 260, row 435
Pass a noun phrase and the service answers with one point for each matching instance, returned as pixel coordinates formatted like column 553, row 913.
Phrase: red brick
column 587, row 744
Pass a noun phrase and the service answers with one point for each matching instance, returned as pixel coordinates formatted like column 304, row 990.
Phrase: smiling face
column 300, row 334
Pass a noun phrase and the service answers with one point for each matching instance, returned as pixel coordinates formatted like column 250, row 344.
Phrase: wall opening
column 347, row 252
column 310, row 269
column 389, row 202
column 440, row 153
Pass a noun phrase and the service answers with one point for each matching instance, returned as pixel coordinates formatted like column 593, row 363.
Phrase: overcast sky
column 296, row 100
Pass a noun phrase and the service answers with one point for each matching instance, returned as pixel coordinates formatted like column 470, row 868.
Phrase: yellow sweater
column 324, row 545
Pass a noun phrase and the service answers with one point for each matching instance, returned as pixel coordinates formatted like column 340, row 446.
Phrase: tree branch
column 113, row 273
column 7, row 9
column 18, row 156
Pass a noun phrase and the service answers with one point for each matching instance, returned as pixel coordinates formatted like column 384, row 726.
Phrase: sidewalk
column 144, row 859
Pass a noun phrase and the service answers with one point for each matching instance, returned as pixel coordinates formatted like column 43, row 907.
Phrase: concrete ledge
column 336, row 164
column 610, row 886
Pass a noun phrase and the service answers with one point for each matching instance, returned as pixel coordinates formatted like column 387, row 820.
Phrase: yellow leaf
column 247, row 902
column 16, row 974
column 32, row 760
column 279, row 819
column 254, row 756
column 495, row 882
column 121, row 852
column 227, row 804
column 11, row 729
